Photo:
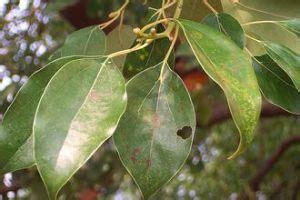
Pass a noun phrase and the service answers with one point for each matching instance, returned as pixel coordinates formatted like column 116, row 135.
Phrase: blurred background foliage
column 31, row 30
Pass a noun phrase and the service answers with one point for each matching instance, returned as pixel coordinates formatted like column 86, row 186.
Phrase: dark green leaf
column 231, row 68
column 90, row 41
column 78, row 111
column 292, row 25
column 155, row 134
column 287, row 59
column 226, row 24
column 140, row 60
column 15, row 139
column 276, row 85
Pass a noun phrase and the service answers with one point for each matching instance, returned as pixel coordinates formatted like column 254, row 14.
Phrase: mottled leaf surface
column 276, row 86
column 78, row 111
column 230, row 68
column 140, row 60
column 15, row 137
column 155, row 134
column 287, row 59
column 292, row 25
column 90, row 41
column 226, row 24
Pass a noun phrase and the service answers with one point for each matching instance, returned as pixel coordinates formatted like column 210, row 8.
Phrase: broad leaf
column 230, row 68
column 15, row 138
column 246, row 11
column 276, row 86
column 119, row 39
column 155, row 134
column 78, row 111
column 140, row 60
column 88, row 41
column 287, row 59
column 291, row 25
column 197, row 10
column 226, row 24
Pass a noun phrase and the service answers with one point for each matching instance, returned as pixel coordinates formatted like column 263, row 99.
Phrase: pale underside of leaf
column 231, row 69
column 15, row 137
column 77, row 113
column 159, row 107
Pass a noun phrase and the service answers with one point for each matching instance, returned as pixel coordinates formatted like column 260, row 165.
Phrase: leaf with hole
column 155, row 134
column 276, row 85
column 79, row 110
column 231, row 69
column 287, row 59
column 16, row 135
column 228, row 25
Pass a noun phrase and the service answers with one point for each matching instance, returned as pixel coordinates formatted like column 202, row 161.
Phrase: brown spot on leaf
column 94, row 95
column 148, row 163
column 185, row 132
column 155, row 120
column 134, row 154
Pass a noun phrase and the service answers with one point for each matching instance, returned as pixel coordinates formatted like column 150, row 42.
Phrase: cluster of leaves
column 69, row 108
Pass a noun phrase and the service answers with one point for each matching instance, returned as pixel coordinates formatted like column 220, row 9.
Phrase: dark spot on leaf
column 185, row 132
column 134, row 154
column 155, row 120
column 148, row 163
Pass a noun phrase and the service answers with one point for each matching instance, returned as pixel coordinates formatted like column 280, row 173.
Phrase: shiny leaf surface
column 230, row 68
column 276, row 86
column 287, row 59
column 291, row 25
column 88, row 41
column 78, row 111
column 226, row 24
column 15, row 137
column 155, row 134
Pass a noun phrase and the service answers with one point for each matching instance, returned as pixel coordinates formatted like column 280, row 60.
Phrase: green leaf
column 77, row 113
column 228, row 25
column 276, row 86
column 197, row 10
column 140, row 60
column 15, row 137
column 56, row 5
column 230, row 68
column 90, row 41
column 119, row 39
column 246, row 11
column 155, row 134
column 292, row 25
column 287, row 59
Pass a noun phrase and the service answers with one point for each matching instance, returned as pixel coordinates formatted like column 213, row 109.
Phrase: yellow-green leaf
column 232, row 70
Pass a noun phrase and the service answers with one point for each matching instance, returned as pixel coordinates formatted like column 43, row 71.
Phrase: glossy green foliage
column 246, row 11
column 138, row 61
column 226, row 24
column 276, row 86
column 90, row 41
column 287, row 59
column 155, row 134
column 18, row 120
column 230, row 68
column 292, row 25
column 79, row 110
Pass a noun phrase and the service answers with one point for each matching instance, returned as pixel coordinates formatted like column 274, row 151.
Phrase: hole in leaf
column 185, row 132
